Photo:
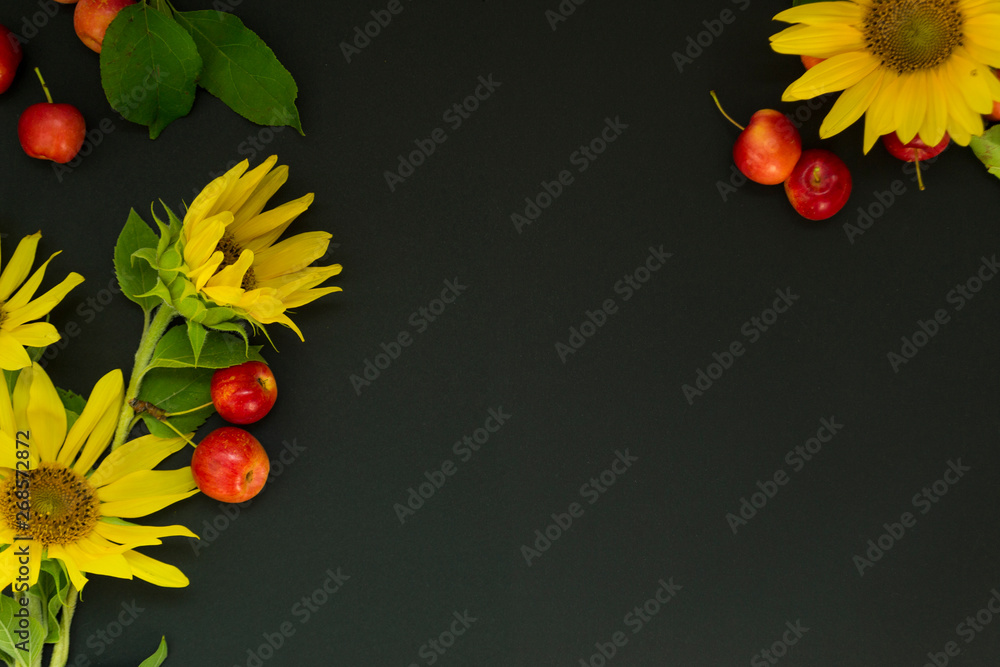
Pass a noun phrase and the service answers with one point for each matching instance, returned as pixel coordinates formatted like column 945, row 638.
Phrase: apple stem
column 723, row 111
column 45, row 87
column 920, row 179
column 184, row 412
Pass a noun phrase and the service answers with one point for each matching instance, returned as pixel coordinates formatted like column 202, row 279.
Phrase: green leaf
column 54, row 583
column 177, row 390
column 135, row 278
column 149, row 67
column 987, row 149
column 157, row 658
column 218, row 350
column 241, row 70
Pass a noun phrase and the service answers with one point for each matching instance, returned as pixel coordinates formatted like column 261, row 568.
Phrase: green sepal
column 161, row 292
column 196, row 336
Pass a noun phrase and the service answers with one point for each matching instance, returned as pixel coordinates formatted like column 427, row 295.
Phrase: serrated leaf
column 177, row 390
column 987, row 149
column 157, row 658
column 241, row 70
column 149, row 67
column 136, row 278
column 218, row 350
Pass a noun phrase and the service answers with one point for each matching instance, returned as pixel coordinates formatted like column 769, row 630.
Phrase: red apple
column 230, row 465
column 913, row 151
column 245, row 393
column 819, row 185
column 995, row 114
column 10, row 57
column 51, row 131
column 91, row 19
column 810, row 61
column 767, row 150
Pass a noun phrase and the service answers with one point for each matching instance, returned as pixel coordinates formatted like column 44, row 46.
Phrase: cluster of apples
column 50, row 130
column 769, row 151
column 230, row 464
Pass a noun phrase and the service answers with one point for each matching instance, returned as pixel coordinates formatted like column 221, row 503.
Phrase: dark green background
column 494, row 347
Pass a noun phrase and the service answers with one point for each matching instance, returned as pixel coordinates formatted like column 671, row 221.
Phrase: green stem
column 151, row 335
column 60, row 654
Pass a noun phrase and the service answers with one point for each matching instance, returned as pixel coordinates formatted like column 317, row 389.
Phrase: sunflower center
column 910, row 35
column 231, row 251
column 62, row 505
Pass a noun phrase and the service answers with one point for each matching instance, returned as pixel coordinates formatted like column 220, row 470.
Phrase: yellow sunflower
column 231, row 253
column 74, row 512
column 916, row 67
column 18, row 309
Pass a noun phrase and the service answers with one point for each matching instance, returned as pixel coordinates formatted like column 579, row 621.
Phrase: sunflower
column 18, row 310
column 231, row 251
column 916, row 67
column 74, row 511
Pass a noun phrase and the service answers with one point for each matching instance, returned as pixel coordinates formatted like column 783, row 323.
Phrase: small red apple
column 50, row 131
column 91, row 19
column 10, row 57
column 914, row 151
column 810, row 61
column 230, row 465
column 819, row 185
column 245, row 393
column 767, row 148
column 995, row 114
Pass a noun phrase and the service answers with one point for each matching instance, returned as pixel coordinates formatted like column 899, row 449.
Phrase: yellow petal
column 879, row 119
column 819, row 13
column 852, row 104
column 820, row 41
column 19, row 266
column 45, row 413
column 43, row 304
column 28, row 289
column 12, row 354
column 911, row 106
column 143, row 453
column 109, row 565
column 964, row 75
column 936, row 118
column 267, row 189
column 837, row 73
column 200, row 247
column 154, row 571
column 136, row 507
column 35, row 334
column 76, row 577
column 247, row 185
column 205, row 204
column 105, row 398
column 269, row 223
column 291, row 254
column 232, row 275
column 137, row 536
column 145, row 483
